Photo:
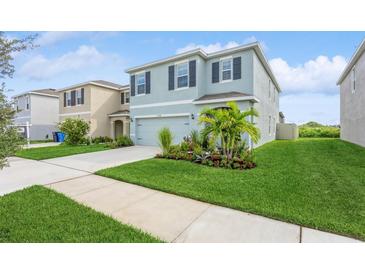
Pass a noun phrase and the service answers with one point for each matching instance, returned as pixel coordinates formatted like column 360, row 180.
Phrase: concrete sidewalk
column 177, row 219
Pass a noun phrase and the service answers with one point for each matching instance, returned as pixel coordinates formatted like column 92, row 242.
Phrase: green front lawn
column 38, row 214
column 318, row 183
column 41, row 153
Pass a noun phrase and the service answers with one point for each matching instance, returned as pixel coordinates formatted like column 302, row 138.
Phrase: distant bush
column 317, row 132
column 124, row 141
column 101, row 139
column 75, row 130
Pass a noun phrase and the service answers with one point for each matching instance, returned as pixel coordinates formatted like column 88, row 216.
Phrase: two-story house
column 352, row 98
column 171, row 92
column 37, row 111
column 104, row 105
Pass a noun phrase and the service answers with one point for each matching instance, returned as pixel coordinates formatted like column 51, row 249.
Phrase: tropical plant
column 227, row 125
column 75, row 130
column 165, row 140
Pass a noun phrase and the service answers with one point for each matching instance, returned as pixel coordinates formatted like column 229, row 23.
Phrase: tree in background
column 10, row 140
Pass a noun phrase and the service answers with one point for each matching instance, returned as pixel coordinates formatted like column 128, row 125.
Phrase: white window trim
column 136, row 83
column 67, row 94
column 187, row 74
column 27, row 102
column 231, row 69
column 78, row 91
column 125, row 97
column 353, row 80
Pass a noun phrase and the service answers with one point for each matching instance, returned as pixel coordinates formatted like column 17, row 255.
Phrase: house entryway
column 119, row 124
column 118, row 128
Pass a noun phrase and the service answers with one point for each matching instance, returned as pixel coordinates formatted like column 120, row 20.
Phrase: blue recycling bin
column 60, row 137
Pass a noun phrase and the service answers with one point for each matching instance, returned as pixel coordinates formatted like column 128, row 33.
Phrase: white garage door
column 147, row 129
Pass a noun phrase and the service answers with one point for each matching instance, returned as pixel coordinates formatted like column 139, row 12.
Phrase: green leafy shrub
column 165, row 140
column 124, row 141
column 318, row 132
column 101, row 140
column 75, row 130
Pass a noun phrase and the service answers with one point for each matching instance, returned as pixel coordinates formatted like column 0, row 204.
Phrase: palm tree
column 228, row 124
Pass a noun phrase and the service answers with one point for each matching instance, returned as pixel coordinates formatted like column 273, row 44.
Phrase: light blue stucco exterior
column 163, row 106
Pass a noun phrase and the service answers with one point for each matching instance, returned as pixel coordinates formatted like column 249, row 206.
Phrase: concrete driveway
column 24, row 173
column 95, row 161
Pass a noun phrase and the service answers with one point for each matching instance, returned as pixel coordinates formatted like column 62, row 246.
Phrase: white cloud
column 218, row 46
column 51, row 37
column 40, row 67
column 314, row 76
column 302, row 108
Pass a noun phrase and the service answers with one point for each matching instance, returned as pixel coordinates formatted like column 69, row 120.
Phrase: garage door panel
column 147, row 129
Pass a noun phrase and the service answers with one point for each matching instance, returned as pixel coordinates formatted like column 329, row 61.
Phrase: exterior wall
column 267, row 106
column 42, row 115
column 352, row 106
column 104, row 101
column 45, row 110
column 23, row 115
column 245, row 84
column 78, row 108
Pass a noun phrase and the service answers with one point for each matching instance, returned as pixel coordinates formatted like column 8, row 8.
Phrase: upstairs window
column 227, row 70
column 27, row 106
column 141, row 83
column 270, row 88
column 78, row 97
column 353, row 80
column 182, row 75
column 68, row 99
column 127, row 97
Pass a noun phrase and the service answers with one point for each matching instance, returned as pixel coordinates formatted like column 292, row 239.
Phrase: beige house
column 352, row 98
column 104, row 105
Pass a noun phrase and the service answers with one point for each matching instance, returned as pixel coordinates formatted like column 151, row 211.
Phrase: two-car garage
column 147, row 128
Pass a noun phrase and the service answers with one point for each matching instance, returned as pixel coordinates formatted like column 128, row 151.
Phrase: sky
column 306, row 64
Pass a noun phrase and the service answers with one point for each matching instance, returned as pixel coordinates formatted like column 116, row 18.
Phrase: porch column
column 112, row 130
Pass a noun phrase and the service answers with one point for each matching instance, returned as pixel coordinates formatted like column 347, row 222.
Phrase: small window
column 78, row 97
column 227, row 70
column 182, row 75
column 127, row 97
column 353, row 80
column 68, row 99
column 269, row 88
column 27, row 102
column 274, row 97
column 141, row 83
column 269, row 125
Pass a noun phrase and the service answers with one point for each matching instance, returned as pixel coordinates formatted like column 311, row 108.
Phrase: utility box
column 287, row 131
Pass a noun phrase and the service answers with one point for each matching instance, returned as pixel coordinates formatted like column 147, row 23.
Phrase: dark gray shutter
column 148, row 82
column 122, row 98
column 73, row 97
column 171, row 77
column 192, row 73
column 236, row 68
column 215, row 72
column 64, row 99
column 133, row 85
column 82, row 96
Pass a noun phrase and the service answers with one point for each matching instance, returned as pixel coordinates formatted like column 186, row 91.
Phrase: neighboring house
column 172, row 92
column 352, row 98
column 39, row 110
column 104, row 105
